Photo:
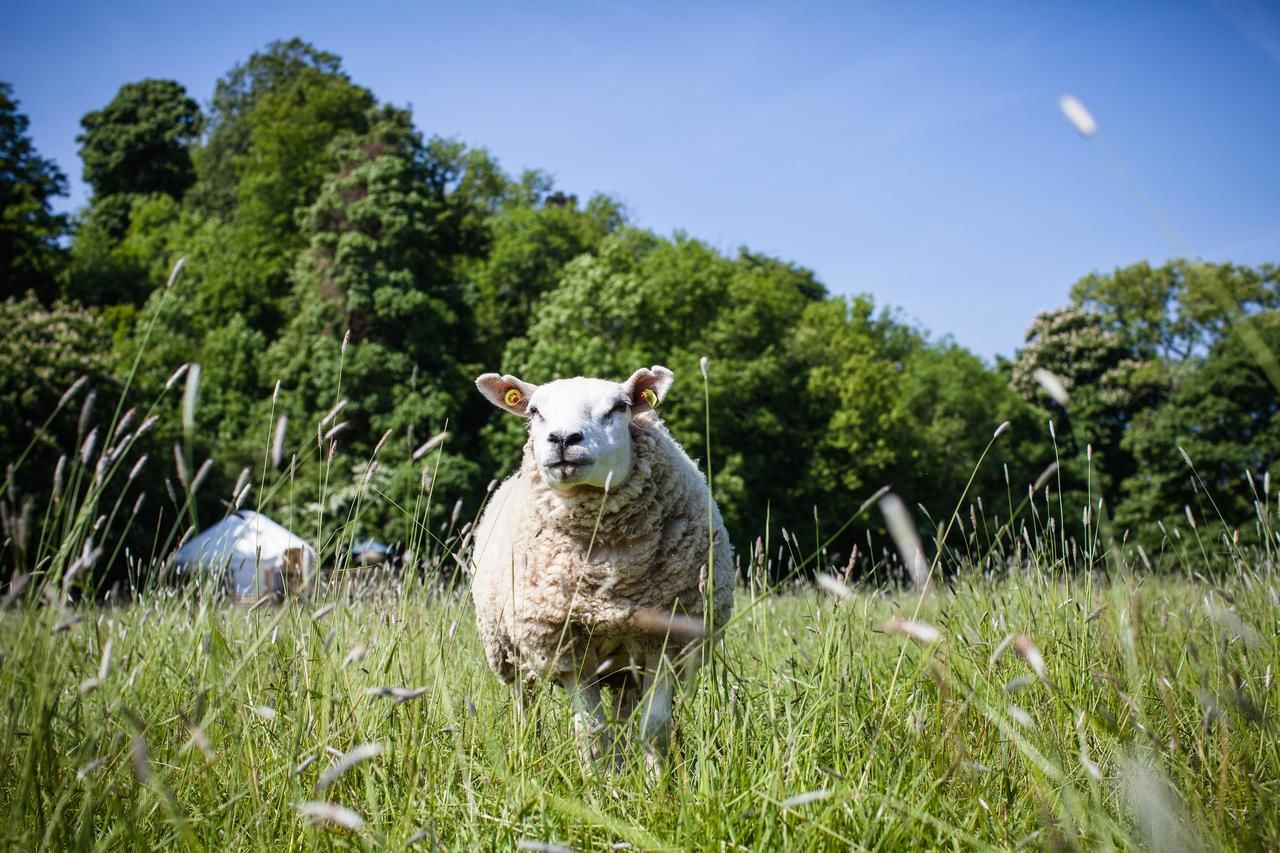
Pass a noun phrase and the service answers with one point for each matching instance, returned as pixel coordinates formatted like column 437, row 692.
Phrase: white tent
column 257, row 555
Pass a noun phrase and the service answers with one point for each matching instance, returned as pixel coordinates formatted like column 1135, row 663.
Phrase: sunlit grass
column 1048, row 709
column 1030, row 691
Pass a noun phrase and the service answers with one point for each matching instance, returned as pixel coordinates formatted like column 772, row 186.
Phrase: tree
column 1179, row 310
column 120, row 270
column 639, row 300
column 952, row 403
column 378, row 312
column 140, row 143
column 43, row 353
column 533, row 238
column 1109, row 384
column 311, row 99
column 30, row 256
column 1225, row 417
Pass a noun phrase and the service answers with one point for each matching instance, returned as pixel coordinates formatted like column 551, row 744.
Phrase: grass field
column 1139, row 711
column 1027, row 702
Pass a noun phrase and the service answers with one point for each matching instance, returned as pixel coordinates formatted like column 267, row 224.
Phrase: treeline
column 346, row 278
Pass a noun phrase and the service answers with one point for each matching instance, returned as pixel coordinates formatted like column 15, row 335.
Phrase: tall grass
column 1050, row 710
column 1027, row 691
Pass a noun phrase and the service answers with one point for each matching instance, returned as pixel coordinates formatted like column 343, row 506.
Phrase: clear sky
column 911, row 151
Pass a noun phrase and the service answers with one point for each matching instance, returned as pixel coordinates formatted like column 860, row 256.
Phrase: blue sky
column 913, row 152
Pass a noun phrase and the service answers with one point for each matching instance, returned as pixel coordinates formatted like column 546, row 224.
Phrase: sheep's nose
column 562, row 441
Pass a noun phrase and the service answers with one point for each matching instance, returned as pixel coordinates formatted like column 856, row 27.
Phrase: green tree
column 378, row 314
column 533, row 237
column 30, row 256
column 1109, row 384
column 951, row 403
column 1179, row 310
column 640, row 300
column 43, row 353
column 140, row 143
column 307, row 88
column 1226, row 418
column 120, row 271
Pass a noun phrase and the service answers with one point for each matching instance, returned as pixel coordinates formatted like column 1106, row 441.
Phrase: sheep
column 590, row 564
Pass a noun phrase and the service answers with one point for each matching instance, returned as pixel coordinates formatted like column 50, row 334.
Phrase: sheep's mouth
column 569, row 466
column 567, row 471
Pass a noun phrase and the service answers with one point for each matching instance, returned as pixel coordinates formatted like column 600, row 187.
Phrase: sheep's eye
column 620, row 406
column 533, row 412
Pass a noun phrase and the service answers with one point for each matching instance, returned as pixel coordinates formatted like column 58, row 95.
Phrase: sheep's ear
column 647, row 387
column 507, row 392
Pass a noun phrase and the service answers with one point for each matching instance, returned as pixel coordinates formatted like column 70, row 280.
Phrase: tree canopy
column 141, row 142
column 30, row 256
column 348, row 275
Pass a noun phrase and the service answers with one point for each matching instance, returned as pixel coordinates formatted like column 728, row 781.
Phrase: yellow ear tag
column 650, row 397
column 512, row 398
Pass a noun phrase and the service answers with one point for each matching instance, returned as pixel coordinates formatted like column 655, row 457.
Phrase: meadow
column 1025, row 689
column 1031, row 707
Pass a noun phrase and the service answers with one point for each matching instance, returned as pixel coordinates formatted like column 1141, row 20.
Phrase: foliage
column 1177, row 311
column 534, row 238
column 140, row 143
column 116, row 258
column 1223, row 424
column 337, row 255
column 1108, row 383
column 30, row 256
column 639, row 300
column 44, row 423
column 1154, row 359
column 379, row 278
column 303, row 93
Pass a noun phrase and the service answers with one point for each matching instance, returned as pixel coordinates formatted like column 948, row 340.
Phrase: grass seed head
column 347, row 761
column 1028, row 652
column 832, row 585
column 903, row 531
column 175, row 272
column 1078, row 115
column 277, row 441
column 87, row 448
column 1160, row 814
column 430, row 444
column 330, row 813
column 190, row 396
column 662, row 623
column 399, row 694
column 72, row 390
column 1052, row 385
column 805, row 798
column 921, row 632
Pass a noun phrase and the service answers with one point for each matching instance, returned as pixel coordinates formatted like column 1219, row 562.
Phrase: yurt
column 257, row 556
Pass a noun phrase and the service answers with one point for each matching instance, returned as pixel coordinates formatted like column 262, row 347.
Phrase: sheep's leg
column 589, row 723
column 655, row 716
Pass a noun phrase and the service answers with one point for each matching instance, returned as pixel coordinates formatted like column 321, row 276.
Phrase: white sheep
column 591, row 563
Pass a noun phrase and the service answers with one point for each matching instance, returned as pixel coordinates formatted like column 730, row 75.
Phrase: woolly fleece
column 545, row 609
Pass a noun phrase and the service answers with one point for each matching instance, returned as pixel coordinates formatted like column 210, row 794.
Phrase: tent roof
column 246, row 534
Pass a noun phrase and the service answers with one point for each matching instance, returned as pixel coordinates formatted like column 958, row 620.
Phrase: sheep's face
column 580, row 428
